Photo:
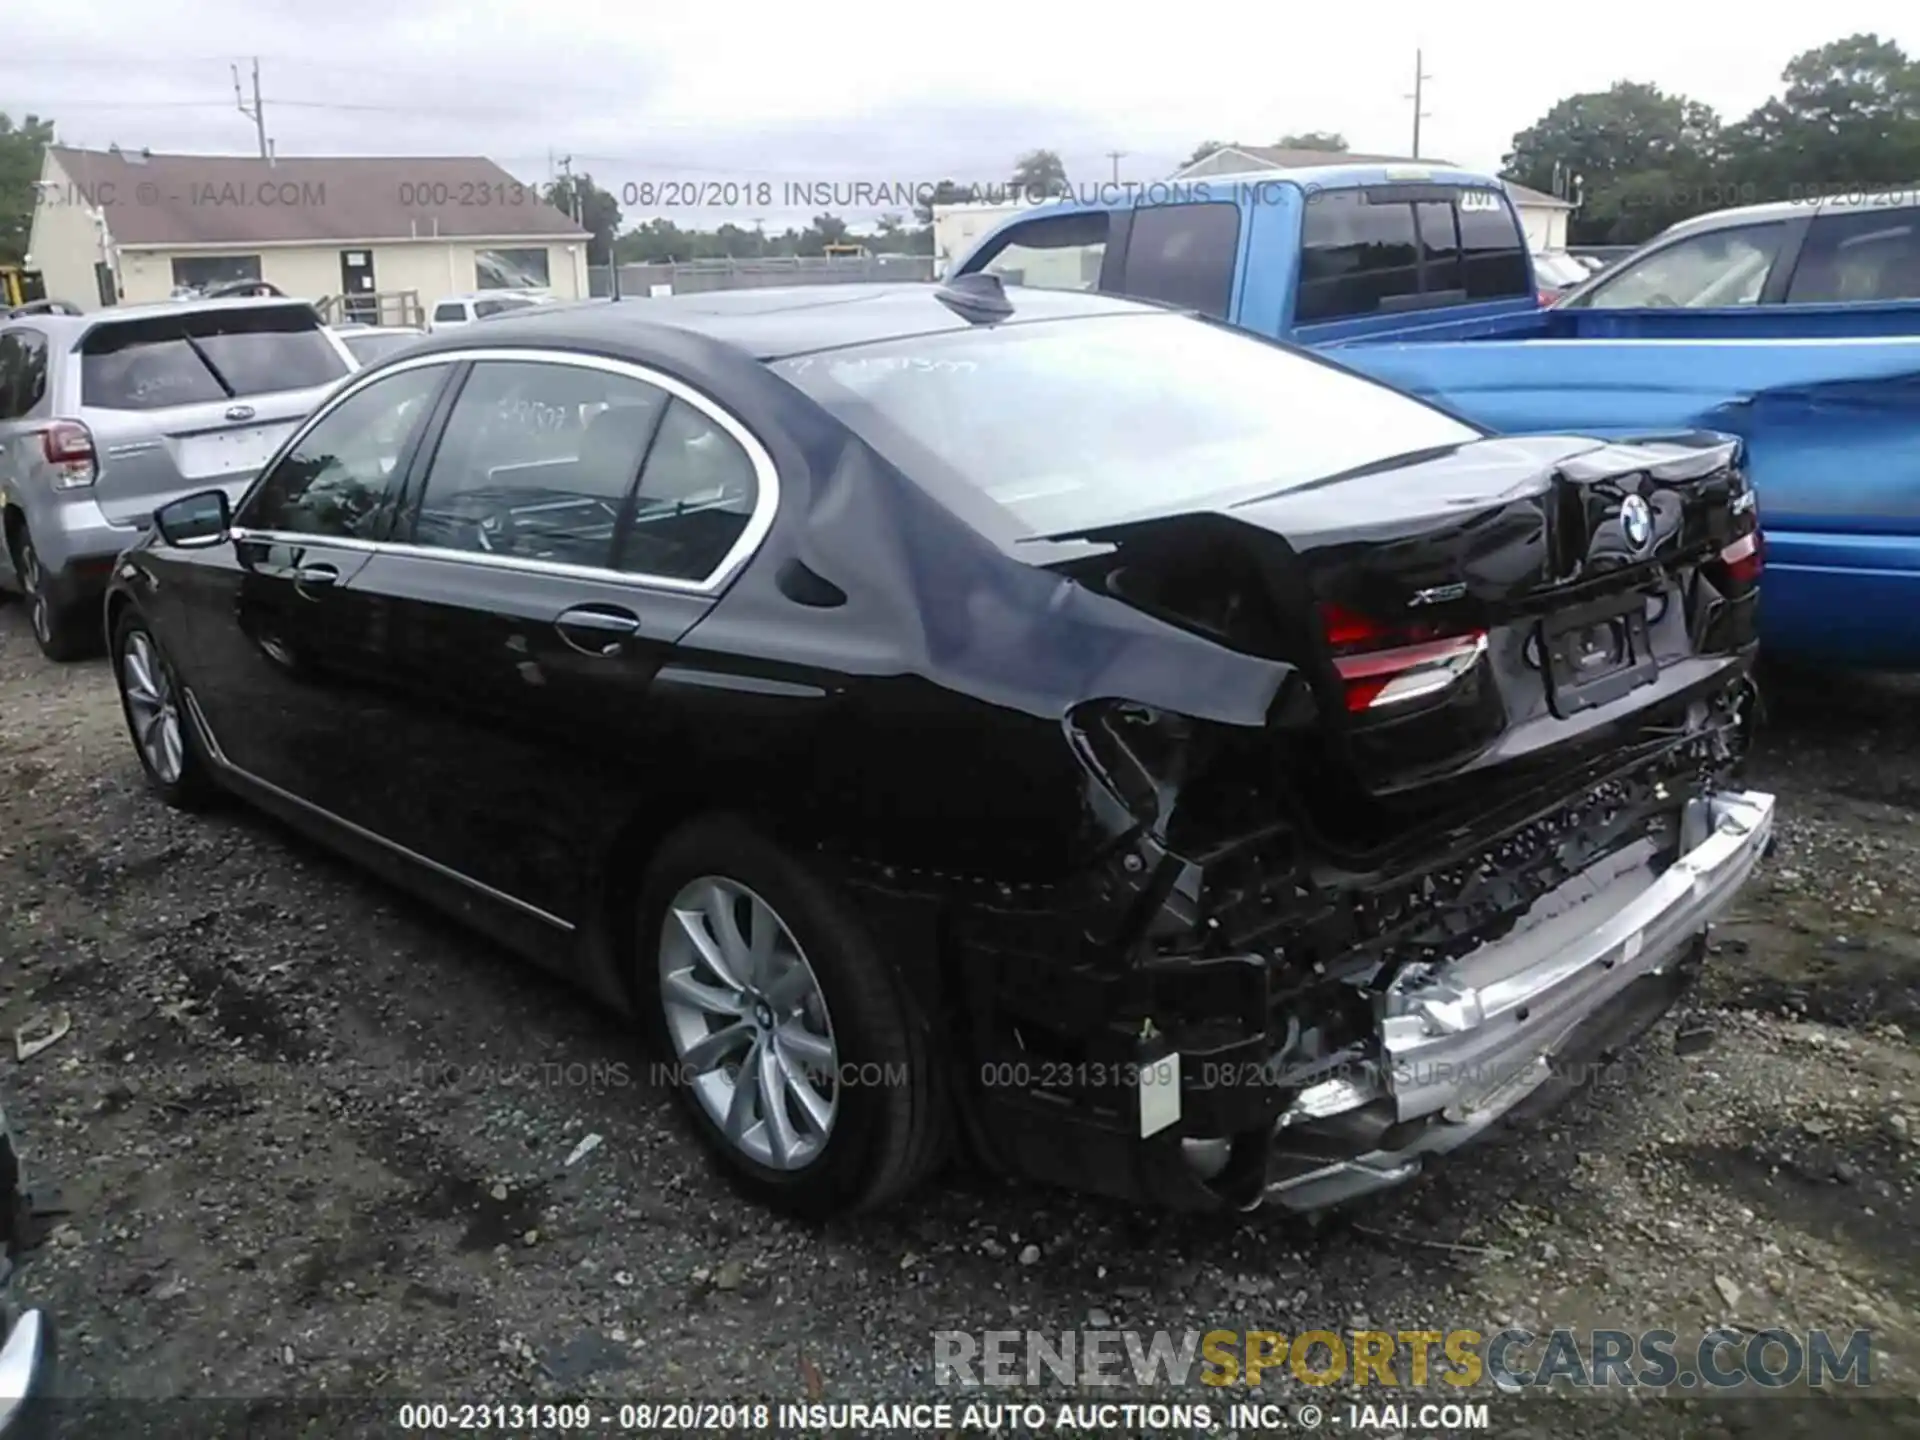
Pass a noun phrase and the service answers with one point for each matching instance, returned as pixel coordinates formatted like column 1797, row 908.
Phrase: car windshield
column 1072, row 425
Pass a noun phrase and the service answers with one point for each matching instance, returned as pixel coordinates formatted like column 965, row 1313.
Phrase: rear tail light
column 1744, row 558
column 1382, row 664
column 68, row 448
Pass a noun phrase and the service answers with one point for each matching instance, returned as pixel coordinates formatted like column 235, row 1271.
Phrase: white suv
column 465, row 309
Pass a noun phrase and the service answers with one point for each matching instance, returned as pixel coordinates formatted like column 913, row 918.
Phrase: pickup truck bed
column 1832, row 425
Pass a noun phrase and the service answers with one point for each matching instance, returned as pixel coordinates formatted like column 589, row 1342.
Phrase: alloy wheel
column 153, row 706
column 32, row 583
column 749, row 1023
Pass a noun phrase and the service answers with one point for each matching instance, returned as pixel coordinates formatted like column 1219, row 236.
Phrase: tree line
column 1636, row 158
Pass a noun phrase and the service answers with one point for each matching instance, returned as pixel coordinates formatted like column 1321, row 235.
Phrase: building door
column 356, row 287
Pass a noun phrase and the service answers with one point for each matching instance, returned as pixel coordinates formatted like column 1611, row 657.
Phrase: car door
column 1859, row 255
column 577, row 518
column 282, row 652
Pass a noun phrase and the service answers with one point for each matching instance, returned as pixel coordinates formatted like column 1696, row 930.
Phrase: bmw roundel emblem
column 1636, row 522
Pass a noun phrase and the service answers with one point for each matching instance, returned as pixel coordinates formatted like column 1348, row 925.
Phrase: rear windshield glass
column 203, row 356
column 1072, row 424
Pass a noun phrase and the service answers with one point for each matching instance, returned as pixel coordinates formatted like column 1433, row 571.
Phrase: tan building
column 125, row 227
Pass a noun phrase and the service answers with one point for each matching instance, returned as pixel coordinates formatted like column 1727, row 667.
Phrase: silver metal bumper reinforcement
column 1460, row 1050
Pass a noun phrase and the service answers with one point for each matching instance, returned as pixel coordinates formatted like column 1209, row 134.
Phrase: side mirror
column 195, row 521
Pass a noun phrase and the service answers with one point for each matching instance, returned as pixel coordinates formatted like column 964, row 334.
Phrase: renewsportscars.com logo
column 1510, row 1360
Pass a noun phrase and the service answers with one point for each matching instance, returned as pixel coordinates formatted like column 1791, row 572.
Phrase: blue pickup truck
column 1421, row 276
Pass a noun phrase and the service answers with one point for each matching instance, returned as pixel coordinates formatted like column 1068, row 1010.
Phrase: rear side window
column 1404, row 248
column 451, row 310
column 1858, row 257
column 23, row 372
column 199, row 357
column 1183, row 255
column 1058, row 252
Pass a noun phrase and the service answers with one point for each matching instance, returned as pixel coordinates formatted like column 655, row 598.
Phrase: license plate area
column 228, row 452
column 1596, row 654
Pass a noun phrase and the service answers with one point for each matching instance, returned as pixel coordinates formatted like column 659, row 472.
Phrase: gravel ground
column 312, row 1139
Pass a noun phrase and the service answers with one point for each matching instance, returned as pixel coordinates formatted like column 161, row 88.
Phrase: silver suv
column 106, row 417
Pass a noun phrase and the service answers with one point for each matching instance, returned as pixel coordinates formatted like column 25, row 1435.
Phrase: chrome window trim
column 766, row 504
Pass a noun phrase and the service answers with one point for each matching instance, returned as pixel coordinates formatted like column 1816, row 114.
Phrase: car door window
column 539, row 462
column 1720, row 268
column 697, row 494
column 1863, row 255
column 342, row 478
column 450, row 310
column 1059, row 252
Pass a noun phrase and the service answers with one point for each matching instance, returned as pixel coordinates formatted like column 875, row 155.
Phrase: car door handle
column 597, row 629
column 320, row 575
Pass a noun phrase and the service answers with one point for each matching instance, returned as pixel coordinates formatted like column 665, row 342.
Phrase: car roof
column 770, row 323
column 1790, row 210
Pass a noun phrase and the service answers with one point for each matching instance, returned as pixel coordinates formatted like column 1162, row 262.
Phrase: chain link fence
column 688, row 277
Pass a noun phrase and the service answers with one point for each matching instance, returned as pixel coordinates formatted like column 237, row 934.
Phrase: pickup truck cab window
column 340, row 480
column 1859, row 255
column 1712, row 270
column 1183, row 255
column 1371, row 249
column 1055, row 252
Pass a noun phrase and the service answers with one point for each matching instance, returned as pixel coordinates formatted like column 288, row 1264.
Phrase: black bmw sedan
column 1155, row 759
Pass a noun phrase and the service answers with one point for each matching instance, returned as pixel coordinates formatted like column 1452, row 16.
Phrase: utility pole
column 1116, row 156
column 1420, row 78
column 258, row 113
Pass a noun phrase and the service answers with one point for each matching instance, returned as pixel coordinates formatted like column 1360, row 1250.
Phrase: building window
column 512, row 269
column 197, row 272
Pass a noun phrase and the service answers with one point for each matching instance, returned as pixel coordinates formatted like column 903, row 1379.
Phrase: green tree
column 594, row 208
column 1635, row 157
column 1327, row 140
column 824, row 231
column 22, row 148
column 1849, row 116
column 1039, row 173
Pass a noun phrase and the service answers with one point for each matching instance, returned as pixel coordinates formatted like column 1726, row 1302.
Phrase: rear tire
column 155, row 708
column 801, row 993
column 58, row 630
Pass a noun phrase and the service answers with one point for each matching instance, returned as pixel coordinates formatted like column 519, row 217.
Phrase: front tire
column 792, row 1045
column 155, row 708
column 57, row 629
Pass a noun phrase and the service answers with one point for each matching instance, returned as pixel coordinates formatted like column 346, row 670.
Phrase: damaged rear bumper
column 1520, row 1019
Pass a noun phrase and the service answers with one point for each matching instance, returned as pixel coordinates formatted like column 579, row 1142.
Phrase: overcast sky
column 842, row 91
